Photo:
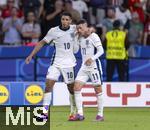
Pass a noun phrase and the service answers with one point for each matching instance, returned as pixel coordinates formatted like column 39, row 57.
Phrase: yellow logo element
column 34, row 94
column 4, row 94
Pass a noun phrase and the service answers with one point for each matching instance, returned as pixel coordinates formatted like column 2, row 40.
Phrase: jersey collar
column 64, row 29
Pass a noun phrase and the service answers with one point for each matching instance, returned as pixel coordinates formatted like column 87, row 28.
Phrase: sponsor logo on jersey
column 4, row 94
column 34, row 94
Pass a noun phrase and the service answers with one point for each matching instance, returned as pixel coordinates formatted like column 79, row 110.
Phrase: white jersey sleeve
column 96, row 40
column 97, row 43
column 49, row 36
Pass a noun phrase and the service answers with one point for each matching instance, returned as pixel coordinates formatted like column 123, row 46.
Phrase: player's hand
column 88, row 62
column 28, row 59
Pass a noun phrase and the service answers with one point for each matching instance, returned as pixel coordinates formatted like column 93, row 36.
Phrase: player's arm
column 49, row 37
column 97, row 43
column 35, row 50
column 99, row 52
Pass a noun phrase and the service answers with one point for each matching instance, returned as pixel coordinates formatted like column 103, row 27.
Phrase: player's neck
column 63, row 28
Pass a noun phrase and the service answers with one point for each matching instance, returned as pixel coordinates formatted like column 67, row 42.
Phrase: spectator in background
column 147, row 32
column 31, row 5
column 148, row 6
column 7, row 12
column 12, row 28
column 48, row 6
column 18, row 3
column 41, row 9
column 137, row 6
column 107, row 23
column 1, row 22
column 123, row 14
column 3, row 4
column 52, row 17
column 97, row 11
column 135, row 33
column 135, row 30
column 116, row 46
column 147, row 10
column 146, row 39
column 81, row 6
column 74, row 13
column 31, row 30
column 115, row 3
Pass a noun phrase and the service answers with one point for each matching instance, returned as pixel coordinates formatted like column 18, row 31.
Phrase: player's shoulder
column 95, row 38
column 94, row 35
column 73, row 27
column 54, row 29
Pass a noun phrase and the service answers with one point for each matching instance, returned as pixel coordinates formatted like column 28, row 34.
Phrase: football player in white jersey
column 91, row 50
column 63, row 61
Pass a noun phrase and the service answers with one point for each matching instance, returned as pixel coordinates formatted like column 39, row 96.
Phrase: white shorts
column 67, row 73
column 94, row 75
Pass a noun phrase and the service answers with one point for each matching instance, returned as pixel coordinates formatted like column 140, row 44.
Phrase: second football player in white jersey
column 63, row 40
column 91, row 50
column 63, row 60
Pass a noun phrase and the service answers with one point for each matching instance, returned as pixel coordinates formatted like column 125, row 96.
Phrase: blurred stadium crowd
column 24, row 22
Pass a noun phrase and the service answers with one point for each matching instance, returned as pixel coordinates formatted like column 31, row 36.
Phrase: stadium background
column 22, row 84
column 13, row 68
column 36, row 71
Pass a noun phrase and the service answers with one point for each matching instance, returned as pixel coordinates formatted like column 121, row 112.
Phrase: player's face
column 65, row 21
column 82, row 29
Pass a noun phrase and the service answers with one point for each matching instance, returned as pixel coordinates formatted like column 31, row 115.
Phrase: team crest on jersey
column 87, row 43
column 72, row 35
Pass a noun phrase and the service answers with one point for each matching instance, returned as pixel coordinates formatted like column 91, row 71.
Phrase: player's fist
column 28, row 59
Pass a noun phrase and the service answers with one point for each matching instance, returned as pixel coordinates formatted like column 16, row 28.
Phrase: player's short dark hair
column 82, row 21
column 66, row 14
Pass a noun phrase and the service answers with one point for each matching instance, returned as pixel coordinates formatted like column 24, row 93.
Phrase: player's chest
column 85, row 43
column 64, row 37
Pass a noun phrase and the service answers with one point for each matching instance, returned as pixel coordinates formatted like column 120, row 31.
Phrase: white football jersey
column 88, row 49
column 64, row 45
